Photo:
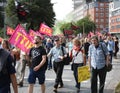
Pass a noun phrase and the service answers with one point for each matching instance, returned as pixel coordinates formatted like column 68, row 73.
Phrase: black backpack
column 3, row 61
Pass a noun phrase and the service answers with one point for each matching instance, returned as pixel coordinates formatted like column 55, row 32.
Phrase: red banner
column 44, row 29
column 10, row 31
column 68, row 32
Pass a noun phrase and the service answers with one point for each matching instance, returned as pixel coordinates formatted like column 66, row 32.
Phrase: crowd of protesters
column 82, row 50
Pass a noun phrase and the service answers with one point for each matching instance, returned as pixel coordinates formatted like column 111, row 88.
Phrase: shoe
column 55, row 90
column 20, row 84
column 78, row 90
column 60, row 86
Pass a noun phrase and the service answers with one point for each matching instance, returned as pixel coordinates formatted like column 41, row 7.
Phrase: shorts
column 36, row 74
column 5, row 89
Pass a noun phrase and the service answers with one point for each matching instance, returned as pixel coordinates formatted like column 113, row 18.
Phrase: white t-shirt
column 79, row 58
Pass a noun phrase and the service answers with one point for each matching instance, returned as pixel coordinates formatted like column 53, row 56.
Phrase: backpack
column 3, row 61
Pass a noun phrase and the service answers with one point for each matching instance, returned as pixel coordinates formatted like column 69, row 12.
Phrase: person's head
column 37, row 40
column 95, row 40
column 76, row 42
column 49, row 40
column 57, row 41
column 5, row 44
column 109, row 38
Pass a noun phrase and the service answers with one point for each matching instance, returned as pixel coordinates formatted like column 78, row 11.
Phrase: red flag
column 68, row 32
column 10, row 31
column 74, row 27
column 44, row 29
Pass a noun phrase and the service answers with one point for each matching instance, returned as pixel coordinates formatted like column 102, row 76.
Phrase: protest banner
column 21, row 39
column 10, row 31
column 83, row 73
column 44, row 29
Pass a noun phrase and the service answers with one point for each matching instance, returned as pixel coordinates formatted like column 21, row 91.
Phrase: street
column 69, row 82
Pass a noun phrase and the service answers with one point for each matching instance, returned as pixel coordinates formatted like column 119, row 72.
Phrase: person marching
column 98, row 62
column 79, row 60
column 57, row 57
column 37, row 55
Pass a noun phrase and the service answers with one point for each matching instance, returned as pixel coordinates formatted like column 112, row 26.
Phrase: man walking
column 7, row 72
column 98, row 62
column 57, row 55
column 37, row 56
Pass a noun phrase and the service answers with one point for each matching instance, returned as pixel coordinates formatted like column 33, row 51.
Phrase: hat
column 56, row 39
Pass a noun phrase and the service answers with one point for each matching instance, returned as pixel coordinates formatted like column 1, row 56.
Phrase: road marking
column 53, row 79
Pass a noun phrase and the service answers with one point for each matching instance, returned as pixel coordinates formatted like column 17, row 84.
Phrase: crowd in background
column 78, row 46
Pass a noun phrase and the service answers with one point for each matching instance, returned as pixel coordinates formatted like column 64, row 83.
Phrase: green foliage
column 1, row 32
column 40, row 11
column 65, row 26
column 86, row 25
column 1, row 18
column 11, row 14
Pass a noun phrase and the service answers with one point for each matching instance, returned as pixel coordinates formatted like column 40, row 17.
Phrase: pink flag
column 20, row 39
column 44, row 29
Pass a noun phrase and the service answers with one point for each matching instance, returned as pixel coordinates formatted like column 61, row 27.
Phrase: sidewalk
column 113, row 78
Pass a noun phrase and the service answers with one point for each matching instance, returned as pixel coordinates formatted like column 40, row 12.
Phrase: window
column 102, row 20
column 101, row 4
column 97, row 26
column 112, row 27
column 101, row 26
column 101, row 14
column 96, row 9
column 117, row 19
column 101, row 9
column 96, row 20
column 96, row 14
column 107, row 20
column 107, row 9
column 96, row 4
column 117, row 26
column 107, row 14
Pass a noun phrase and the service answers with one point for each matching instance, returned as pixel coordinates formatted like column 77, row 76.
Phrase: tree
column 86, row 25
column 38, row 11
column 11, row 18
column 41, row 11
column 1, row 17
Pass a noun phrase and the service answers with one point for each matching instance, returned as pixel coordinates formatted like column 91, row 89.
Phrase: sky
column 62, row 8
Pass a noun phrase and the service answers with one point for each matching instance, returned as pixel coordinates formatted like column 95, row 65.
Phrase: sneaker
column 55, row 90
column 78, row 90
column 20, row 84
column 60, row 86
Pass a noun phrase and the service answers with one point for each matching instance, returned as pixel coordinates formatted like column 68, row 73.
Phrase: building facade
column 114, row 17
column 98, row 11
